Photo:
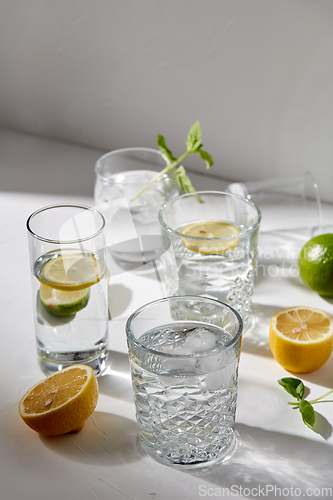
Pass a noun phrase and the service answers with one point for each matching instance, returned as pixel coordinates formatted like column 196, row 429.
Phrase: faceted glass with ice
column 184, row 375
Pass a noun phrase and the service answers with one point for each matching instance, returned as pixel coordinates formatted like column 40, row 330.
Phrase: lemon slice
column 61, row 402
column 72, row 272
column 210, row 230
column 60, row 303
column 301, row 338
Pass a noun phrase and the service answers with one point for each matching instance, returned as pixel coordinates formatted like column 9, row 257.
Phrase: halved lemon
column 61, row 402
column 60, row 303
column 72, row 272
column 301, row 338
column 210, row 232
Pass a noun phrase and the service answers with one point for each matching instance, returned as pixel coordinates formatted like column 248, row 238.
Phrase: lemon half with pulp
column 61, row 402
column 301, row 338
column 209, row 233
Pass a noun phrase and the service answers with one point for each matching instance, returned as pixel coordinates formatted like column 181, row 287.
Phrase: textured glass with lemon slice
column 69, row 281
column 215, row 244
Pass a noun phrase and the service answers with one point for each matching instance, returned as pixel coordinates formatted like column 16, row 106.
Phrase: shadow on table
column 322, row 376
column 116, row 381
column 256, row 340
column 106, row 439
column 272, row 459
column 119, row 296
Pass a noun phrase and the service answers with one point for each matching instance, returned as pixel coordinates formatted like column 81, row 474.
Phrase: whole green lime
column 315, row 264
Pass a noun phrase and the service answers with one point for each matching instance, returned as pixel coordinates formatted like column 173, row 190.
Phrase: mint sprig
column 295, row 387
column 193, row 146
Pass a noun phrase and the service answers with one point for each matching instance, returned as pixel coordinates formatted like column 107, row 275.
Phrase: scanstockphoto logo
column 266, row 491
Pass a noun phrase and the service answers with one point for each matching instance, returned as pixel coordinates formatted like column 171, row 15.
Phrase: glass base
column 224, row 456
column 51, row 362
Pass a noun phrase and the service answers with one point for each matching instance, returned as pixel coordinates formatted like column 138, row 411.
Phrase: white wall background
column 107, row 74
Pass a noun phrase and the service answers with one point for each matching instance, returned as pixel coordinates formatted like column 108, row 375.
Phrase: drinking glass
column 184, row 354
column 286, row 203
column 120, row 175
column 69, row 286
column 291, row 215
column 218, row 267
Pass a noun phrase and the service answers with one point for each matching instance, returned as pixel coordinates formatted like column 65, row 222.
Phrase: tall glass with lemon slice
column 214, row 239
column 69, row 284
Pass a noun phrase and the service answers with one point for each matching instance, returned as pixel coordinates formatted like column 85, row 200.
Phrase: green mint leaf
column 293, row 386
column 206, row 158
column 165, row 152
column 184, row 182
column 308, row 413
column 300, row 390
column 193, row 141
column 193, row 145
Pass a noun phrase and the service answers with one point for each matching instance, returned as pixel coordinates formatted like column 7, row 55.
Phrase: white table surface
column 275, row 449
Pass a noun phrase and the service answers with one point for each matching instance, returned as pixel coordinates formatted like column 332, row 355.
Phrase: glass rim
column 122, row 150
column 198, row 238
column 232, row 342
column 64, row 205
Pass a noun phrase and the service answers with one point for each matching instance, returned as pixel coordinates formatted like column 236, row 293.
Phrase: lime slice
column 209, row 233
column 60, row 303
column 72, row 272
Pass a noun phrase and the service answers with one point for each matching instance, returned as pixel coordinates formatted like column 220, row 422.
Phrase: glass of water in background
column 120, row 174
column 214, row 239
column 69, row 285
column 286, row 203
column 291, row 215
column 184, row 354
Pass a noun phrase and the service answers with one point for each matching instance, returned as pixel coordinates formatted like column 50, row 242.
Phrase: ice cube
column 192, row 341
